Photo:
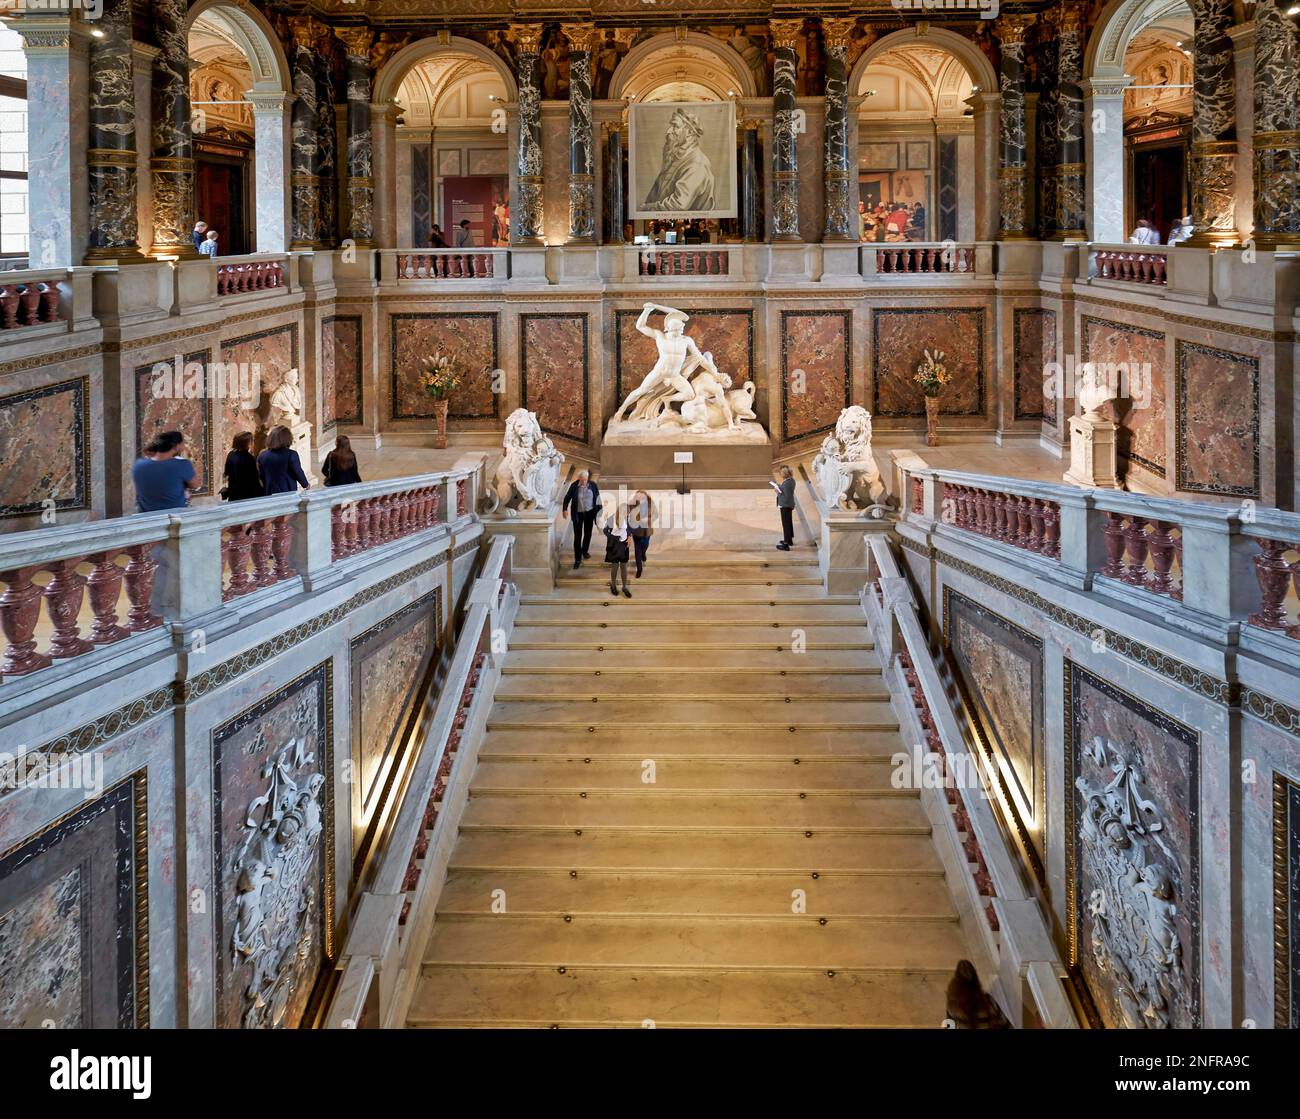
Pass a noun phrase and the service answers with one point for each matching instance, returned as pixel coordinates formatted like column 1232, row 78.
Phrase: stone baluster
column 111, row 159
column 304, row 152
column 240, row 545
column 1276, row 128
column 529, row 214
column 840, row 222
column 141, row 570
column 171, row 167
column 1051, row 530
column 1135, row 539
column 1012, row 173
column 20, row 608
column 1115, row 543
column 282, row 533
column 582, row 39
column 1273, row 573
column 1161, row 546
column 1214, row 125
column 785, row 139
column 361, row 183
column 1036, row 525
column 260, row 535
column 64, row 594
column 105, row 587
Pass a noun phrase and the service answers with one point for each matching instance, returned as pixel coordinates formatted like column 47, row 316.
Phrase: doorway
column 1159, row 188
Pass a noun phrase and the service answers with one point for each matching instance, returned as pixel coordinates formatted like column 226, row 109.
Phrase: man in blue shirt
column 584, row 495
column 162, row 477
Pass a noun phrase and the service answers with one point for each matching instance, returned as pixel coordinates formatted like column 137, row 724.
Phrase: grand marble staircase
column 685, row 811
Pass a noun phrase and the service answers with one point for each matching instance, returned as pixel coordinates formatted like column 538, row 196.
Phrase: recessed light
column 97, row 33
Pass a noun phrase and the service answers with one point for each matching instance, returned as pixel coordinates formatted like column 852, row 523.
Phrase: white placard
column 683, row 456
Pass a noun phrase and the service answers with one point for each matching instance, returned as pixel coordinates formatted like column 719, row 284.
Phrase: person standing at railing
column 340, row 465
column 209, row 244
column 242, row 479
column 279, row 465
column 163, row 476
column 436, row 239
column 584, row 495
column 199, row 233
column 462, row 234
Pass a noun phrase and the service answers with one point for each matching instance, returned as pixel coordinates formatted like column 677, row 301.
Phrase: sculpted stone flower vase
column 440, row 414
column 931, row 421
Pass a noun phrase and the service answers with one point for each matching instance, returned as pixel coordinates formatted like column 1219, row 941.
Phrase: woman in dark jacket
column 616, row 551
column 242, row 481
column 279, row 465
column 340, row 466
column 639, row 518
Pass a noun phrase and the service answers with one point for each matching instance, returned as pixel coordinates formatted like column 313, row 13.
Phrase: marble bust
column 287, row 399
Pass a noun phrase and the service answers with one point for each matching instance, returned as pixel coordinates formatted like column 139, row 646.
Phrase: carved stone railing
column 70, row 592
column 448, row 264
column 239, row 275
column 379, row 961
column 31, row 298
column 1129, row 264
column 893, row 258
column 684, row 260
column 1024, row 522
column 1277, row 569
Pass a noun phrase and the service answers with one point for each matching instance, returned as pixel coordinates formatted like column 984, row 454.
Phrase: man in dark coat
column 584, row 495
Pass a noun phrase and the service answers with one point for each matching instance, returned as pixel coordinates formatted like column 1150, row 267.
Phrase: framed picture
column 682, row 160
column 918, row 155
column 878, row 155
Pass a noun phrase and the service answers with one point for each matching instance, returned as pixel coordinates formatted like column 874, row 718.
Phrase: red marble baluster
column 361, row 527
column 1294, row 631
column 337, row 533
column 1273, row 573
column 282, row 546
column 918, row 496
column 1161, row 263
column 374, row 522
column 1113, row 532
column 50, row 302
column 1052, row 530
column 63, row 597
column 1001, row 517
column 20, row 608
column 140, row 573
column 1161, row 546
column 260, row 535
column 1036, row 514
column 9, row 306
column 1135, row 536
column 30, row 301
column 241, row 579
column 405, row 512
column 105, row 586
column 462, row 496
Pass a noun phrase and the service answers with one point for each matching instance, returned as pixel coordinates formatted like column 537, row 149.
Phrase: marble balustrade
column 1129, row 265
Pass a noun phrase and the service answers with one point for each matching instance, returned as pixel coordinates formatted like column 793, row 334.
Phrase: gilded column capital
column 304, row 31
column 1013, row 27
column 528, row 37
column 837, row 29
column 786, row 32
column 1069, row 15
column 358, row 41
column 581, row 36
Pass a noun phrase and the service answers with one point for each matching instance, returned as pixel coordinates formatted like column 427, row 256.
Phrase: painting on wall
column 74, row 918
column 682, row 159
column 272, row 854
column 1132, row 856
column 878, row 155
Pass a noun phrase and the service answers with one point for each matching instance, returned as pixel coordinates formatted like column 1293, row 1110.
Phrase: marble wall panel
column 816, row 370
column 1035, row 347
column 554, row 356
column 342, row 370
column 1140, row 408
column 1217, row 449
column 45, row 448
column 74, row 918
column 273, row 766
column 727, row 333
column 1133, row 855
column 189, row 414
column 471, row 335
column 899, row 339
column 267, row 355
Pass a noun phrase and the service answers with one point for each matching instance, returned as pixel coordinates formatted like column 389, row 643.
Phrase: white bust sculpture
column 684, row 391
column 530, row 468
column 845, row 469
column 287, row 400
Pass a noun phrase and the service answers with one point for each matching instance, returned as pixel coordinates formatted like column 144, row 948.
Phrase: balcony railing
column 926, row 258
column 450, row 264
column 1129, row 264
column 684, row 261
column 238, row 275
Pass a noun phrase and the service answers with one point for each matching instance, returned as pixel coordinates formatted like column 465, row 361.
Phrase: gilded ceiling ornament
column 786, row 32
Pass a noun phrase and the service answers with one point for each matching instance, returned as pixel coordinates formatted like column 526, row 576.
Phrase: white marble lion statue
column 530, row 468
column 845, row 469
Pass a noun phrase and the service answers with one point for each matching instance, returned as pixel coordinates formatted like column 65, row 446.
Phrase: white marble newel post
column 1103, row 124
column 271, row 168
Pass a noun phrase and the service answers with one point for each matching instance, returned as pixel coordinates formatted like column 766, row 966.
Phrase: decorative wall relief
column 74, row 918
column 999, row 669
column 1217, row 450
column 1286, row 895
column 1132, row 856
column 899, row 338
column 1035, row 349
column 727, row 333
column 190, row 415
column 45, row 448
column 818, row 345
column 389, row 663
column 1137, row 358
column 553, row 365
column 273, row 842
column 470, row 335
column 341, row 369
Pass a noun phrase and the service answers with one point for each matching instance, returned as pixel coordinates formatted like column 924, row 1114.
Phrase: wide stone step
column 714, row 574
column 450, row 996
column 692, row 716
column 636, row 612
column 771, row 686
column 698, row 638
column 728, row 663
column 596, row 589
column 737, row 893
column 773, row 853
column 613, row 742
column 803, row 810
column 686, row 774
column 676, row 941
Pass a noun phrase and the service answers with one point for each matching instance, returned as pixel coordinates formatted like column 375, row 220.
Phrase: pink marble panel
column 553, row 361
column 899, row 339
column 1218, row 445
column 470, row 336
column 267, row 356
column 341, row 369
column 45, row 448
column 1035, row 349
column 1140, row 408
column 173, row 410
column 816, row 370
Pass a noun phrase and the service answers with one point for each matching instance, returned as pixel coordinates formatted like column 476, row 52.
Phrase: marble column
column 840, row 221
column 785, row 130
column 271, row 169
column 582, row 184
column 327, row 143
column 615, row 208
column 1012, row 172
column 361, row 183
column 384, row 116
column 1046, row 156
column 1104, row 158
column 751, row 182
column 114, row 224
column 58, row 92
column 982, row 179
column 1277, row 129
column 1071, row 204
column 529, row 213
column 1214, row 125
column 304, row 152
column 171, row 168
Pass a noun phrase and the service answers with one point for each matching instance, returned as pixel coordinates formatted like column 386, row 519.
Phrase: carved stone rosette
column 1014, row 198
column 361, row 183
column 839, row 216
column 582, row 183
column 1214, row 125
column 529, row 214
column 304, row 152
column 111, row 159
column 785, row 147
column 1277, row 128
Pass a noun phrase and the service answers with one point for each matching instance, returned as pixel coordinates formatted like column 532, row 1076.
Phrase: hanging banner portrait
column 682, row 161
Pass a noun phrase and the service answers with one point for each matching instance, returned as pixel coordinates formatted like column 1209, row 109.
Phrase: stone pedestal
column 302, row 443
column 842, row 555
column 532, row 561
column 1092, row 453
column 721, row 459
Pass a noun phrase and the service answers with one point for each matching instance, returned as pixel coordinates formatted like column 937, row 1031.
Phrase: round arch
column 1120, row 21
column 967, row 53
column 255, row 37
column 643, row 52
column 389, row 79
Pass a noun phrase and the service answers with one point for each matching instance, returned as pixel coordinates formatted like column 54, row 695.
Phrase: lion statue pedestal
column 845, row 469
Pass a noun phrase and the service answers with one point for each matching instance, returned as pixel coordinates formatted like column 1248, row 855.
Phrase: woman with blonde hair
column 279, row 465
